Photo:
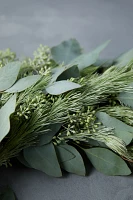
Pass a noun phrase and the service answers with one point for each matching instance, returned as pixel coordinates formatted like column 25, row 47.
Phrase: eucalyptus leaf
column 48, row 135
column 8, row 75
column 60, row 87
column 88, row 59
column 7, row 194
column 24, row 83
column 124, row 58
column 22, row 160
column 121, row 130
column 43, row 158
column 107, row 162
column 63, row 153
column 75, row 165
column 58, row 73
column 5, row 113
column 66, row 51
column 126, row 98
column 72, row 72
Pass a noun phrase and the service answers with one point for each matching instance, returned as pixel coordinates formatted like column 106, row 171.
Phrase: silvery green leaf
column 121, row 130
column 75, row 165
column 107, row 162
column 43, row 158
column 60, row 87
column 88, row 59
column 64, row 153
column 8, row 75
column 64, row 72
column 48, row 135
column 22, row 160
column 126, row 98
column 124, row 58
column 24, row 83
column 72, row 72
column 66, row 51
column 5, row 113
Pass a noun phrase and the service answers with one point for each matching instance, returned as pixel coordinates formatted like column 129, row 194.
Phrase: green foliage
column 72, row 72
column 58, row 107
column 126, row 98
column 107, row 162
column 23, row 84
column 44, row 159
column 64, row 153
column 5, row 113
column 99, row 87
column 88, row 59
column 8, row 75
column 73, row 165
column 6, row 56
column 121, row 130
column 66, row 51
column 124, row 58
column 22, row 160
column 123, row 113
column 61, row 72
column 48, row 135
column 88, row 71
column 60, row 87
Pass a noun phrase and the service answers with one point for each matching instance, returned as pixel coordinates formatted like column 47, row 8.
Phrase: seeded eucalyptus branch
column 61, row 105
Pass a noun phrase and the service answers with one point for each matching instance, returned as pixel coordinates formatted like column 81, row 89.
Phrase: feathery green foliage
column 56, row 111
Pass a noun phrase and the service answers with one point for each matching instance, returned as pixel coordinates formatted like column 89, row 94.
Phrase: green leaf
column 66, row 51
column 24, row 83
column 72, row 72
column 60, row 87
column 63, row 153
column 8, row 75
column 5, row 113
column 88, row 59
column 75, row 165
column 43, row 158
column 121, row 130
column 58, row 73
column 22, row 160
column 48, row 135
column 126, row 98
column 124, row 59
column 7, row 194
column 107, row 162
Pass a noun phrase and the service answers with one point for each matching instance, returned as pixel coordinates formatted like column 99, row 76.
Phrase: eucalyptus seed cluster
column 6, row 56
column 30, row 104
column 80, row 126
column 35, row 101
column 42, row 59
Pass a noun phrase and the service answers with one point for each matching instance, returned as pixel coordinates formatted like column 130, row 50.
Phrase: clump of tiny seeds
column 42, row 59
column 6, row 56
column 35, row 102
column 79, row 126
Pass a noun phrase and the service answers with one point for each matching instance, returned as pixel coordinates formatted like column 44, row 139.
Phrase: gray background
column 26, row 24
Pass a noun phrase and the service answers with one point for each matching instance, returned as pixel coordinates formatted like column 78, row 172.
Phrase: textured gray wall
column 23, row 26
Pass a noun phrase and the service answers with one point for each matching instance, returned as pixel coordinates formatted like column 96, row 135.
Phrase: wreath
column 63, row 108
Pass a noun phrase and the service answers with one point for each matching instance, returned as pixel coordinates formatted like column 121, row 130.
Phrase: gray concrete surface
column 26, row 24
